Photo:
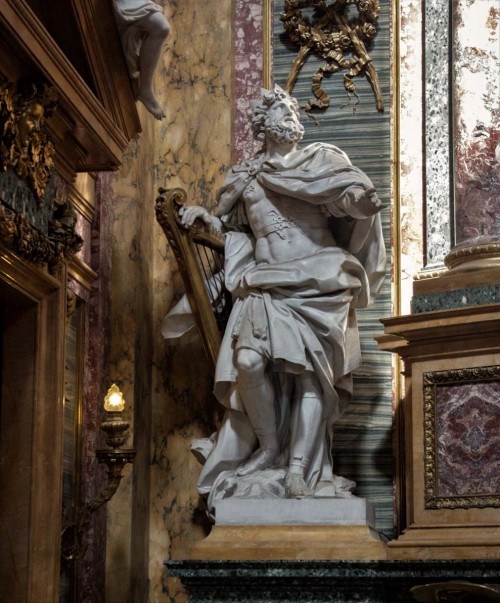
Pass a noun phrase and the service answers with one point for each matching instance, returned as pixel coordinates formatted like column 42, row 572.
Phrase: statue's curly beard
column 288, row 132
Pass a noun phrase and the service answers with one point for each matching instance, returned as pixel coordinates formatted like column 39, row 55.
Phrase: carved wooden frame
column 47, row 291
column 91, row 133
column 430, row 381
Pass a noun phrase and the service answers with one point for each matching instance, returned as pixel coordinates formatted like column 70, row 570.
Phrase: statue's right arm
column 190, row 213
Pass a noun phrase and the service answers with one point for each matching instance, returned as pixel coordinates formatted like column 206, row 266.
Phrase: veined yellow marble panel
column 168, row 390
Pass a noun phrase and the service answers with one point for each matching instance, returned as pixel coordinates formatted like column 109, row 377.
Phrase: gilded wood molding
column 81, row 272
column 267, row 35
column 93, row 132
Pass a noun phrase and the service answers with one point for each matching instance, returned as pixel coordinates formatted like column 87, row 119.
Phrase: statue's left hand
column 363, row 204
column 189, row 214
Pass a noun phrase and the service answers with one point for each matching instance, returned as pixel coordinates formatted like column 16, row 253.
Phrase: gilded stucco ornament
column 336, row 36
column 18, row 235
column 25, row 144
column 36, row 219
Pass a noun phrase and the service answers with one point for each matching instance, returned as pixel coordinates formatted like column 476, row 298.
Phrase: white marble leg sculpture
column 143, row 29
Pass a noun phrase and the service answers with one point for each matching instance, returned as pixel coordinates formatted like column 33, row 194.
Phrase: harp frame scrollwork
column 186, row 245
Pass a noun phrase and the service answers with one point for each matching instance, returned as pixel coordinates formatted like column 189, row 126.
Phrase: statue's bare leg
column 305, row 433
column 156, row 28
column 257, row 394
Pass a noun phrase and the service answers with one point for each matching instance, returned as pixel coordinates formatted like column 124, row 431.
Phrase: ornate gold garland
column 18, row 235
column 332, row 36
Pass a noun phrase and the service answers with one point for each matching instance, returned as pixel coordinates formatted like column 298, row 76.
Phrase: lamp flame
column 114, row 401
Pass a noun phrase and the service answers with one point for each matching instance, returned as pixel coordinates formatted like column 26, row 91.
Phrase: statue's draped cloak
column 298, row 313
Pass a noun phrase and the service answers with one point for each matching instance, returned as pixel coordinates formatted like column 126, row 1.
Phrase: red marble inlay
column 248, row 64
column 91, row 568
column 477, row 188
column 468, row 439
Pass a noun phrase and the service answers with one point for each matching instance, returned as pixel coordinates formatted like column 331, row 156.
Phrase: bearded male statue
column 303, row 250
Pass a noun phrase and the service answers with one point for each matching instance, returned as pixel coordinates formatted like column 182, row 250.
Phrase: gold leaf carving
column 337, row 38
column 17, row 234
column 25, row 145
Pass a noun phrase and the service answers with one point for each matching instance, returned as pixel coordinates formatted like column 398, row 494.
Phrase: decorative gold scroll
column 440, row 378
column 18, row 235
column 338, row 39
column 25, row 145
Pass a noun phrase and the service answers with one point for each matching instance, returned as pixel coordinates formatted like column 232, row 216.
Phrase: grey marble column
column 438, row 160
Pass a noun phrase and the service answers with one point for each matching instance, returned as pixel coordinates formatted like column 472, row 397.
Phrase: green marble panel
column 324, row 581
column 460, row 298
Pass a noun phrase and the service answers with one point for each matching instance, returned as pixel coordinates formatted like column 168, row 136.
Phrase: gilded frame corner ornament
column 25, row 144
column 430, row 381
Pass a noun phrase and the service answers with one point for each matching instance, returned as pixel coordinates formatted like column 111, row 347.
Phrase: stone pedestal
column 308, row 528
column 447, row 433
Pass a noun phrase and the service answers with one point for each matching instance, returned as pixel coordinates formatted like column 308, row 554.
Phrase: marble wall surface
column 410, row 141
column 156, row 513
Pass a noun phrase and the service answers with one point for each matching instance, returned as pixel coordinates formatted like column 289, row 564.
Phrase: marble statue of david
column 303, row 250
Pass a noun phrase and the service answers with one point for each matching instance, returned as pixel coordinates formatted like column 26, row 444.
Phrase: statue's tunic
column 297, row 313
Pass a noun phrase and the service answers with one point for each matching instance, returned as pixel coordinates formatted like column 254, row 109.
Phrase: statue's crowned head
column 276, row 115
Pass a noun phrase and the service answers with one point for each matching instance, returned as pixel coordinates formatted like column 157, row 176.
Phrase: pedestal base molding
column 289, row 542
column 471, row 257
column 332, row 581
column 442, row 281
column 446, row 543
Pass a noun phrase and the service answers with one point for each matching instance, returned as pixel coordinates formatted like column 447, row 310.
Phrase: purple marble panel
column 468, row 439
column 248, row 65
column 476, row 127
column 477, row 188
column 84, row 229
column 91, row 570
